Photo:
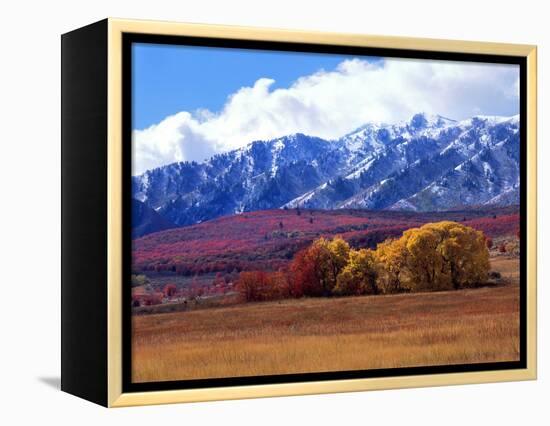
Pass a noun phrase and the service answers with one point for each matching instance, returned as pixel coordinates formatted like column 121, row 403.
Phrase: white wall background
column 30, row 211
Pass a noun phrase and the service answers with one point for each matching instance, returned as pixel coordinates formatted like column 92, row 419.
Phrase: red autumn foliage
column 256, row 286
column 500, row 226
column 170, row 290
column 305, row 277
column 148, row 299
column 256, row 241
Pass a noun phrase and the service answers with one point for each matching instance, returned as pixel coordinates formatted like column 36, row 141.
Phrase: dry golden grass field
column 314, row 335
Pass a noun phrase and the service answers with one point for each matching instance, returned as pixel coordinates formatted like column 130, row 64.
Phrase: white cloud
column 330, row 104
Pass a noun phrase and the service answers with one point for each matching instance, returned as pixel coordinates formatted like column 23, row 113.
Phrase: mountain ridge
column 426, row 163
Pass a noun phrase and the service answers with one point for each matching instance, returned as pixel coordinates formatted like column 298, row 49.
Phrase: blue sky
column 168, row 79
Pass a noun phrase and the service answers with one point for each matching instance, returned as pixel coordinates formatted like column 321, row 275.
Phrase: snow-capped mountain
column 427, row 163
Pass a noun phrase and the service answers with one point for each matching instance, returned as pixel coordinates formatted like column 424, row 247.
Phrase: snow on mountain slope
column 426, row 163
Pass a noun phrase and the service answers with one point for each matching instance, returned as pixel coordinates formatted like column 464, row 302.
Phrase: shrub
column 139, row 280
column 251, row 284
column 151, row 299
column 495, row 275
column 256, row 286
column 170, row 290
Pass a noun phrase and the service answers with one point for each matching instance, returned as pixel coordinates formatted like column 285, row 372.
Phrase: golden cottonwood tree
column 465, row 253
column 359, row 276
column 436, row 256
column 339, row 251
column 425, row 263
column 391, row 259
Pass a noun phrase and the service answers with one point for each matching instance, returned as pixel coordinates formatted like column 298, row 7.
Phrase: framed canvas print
column 251, row 212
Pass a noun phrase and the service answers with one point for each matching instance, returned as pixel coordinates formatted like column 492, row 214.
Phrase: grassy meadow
column 319, row 334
